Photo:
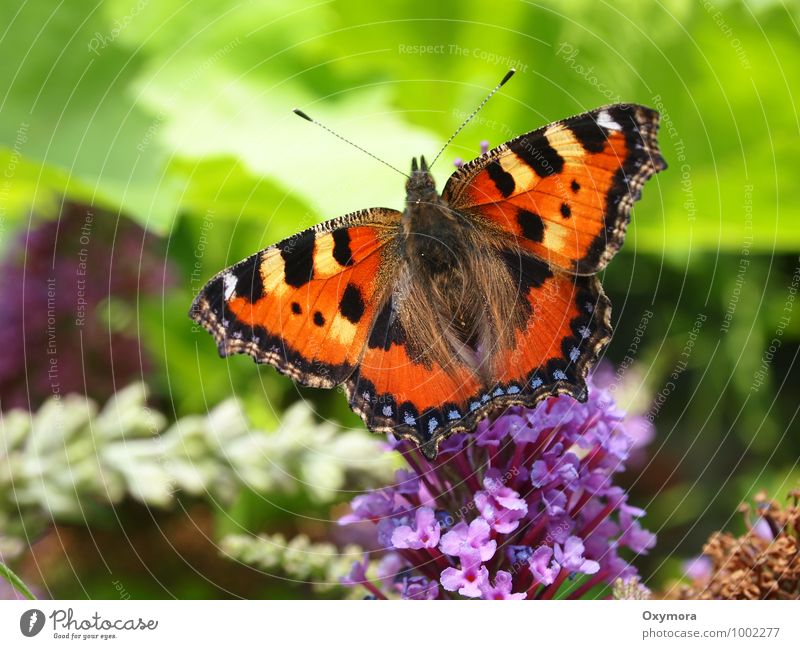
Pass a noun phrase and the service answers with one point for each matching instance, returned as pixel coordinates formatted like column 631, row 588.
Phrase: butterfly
column 468, row 301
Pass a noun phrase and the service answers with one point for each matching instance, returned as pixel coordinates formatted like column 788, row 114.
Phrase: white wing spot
column 559, row 375
column 387, row 411
column 605, row 120
column 454, row 414
column 409, row 419
column 474, row 406
column 433, row 424
column 512, row 389
column 574, row 354
column 536, row 382
column 229, row 281
column 584, row 332
column 589, row 307
column 367, row 397
column 498, row 392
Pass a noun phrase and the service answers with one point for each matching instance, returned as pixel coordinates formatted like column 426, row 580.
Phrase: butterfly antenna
column 300, row 113
column 508, row 75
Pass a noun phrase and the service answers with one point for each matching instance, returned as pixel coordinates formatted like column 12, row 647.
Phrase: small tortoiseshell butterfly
column 480, row 297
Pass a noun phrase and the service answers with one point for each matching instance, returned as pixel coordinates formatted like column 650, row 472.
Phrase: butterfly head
column 420, row 187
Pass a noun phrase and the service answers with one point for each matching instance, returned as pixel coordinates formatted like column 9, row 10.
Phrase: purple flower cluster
column 523, row 508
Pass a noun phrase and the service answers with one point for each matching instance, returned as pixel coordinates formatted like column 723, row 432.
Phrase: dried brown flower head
column 763, row 563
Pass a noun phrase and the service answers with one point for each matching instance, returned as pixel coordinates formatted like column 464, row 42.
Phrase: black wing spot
column 319, row 319
column 566, row 211
column 341, row 247
column 531, row 225
column 296, row 308
column 575, row 185
column 588, row 132
column 503, row 180
column 538, row 155
column 351, row 306
column 298, row 258
column 248, row 279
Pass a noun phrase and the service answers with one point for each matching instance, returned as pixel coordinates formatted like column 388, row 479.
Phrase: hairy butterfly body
column 474, row 299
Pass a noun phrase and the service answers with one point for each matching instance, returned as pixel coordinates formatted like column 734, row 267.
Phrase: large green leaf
column 108, row 97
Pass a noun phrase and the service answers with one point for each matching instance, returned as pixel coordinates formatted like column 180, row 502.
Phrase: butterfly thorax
column 433, row 233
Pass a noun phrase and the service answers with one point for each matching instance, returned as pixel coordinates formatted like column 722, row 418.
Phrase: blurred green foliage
column 179, row 115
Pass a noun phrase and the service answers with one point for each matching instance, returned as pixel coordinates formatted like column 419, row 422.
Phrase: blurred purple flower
column 501, row 589
column 424, row 534
column 469, row 578
column 474, row 537
column 698, row 569
column 542, row 566
column 68, row 288
column 571, row 558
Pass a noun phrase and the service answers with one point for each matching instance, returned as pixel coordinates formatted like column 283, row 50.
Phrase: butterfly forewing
column 305, row 305
column 565, row 190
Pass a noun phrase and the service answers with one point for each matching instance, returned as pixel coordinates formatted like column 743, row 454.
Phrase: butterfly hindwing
column 395, row 390
column 306, row 304
column 567, row 323
column 565, row 190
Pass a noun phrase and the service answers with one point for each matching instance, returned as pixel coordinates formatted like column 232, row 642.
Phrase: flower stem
column 439, row 558
column 591, row 525
column 372, row 588
column 586, row 586
column 552, row 589
column 420, row 561
column 413, row 462
column 17, row 583
column 533, row 533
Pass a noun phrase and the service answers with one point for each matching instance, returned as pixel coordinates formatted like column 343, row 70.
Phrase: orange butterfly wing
column 569, row 323
column 320, row 306
column 565, row 190
column 306, row 304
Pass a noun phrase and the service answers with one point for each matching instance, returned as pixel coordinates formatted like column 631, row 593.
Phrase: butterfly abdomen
column 458, row 298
